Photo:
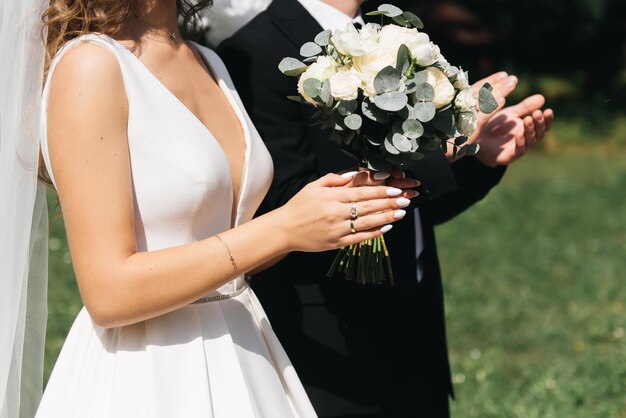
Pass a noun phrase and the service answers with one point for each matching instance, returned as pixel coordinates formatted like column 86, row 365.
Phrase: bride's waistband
column 223, row 296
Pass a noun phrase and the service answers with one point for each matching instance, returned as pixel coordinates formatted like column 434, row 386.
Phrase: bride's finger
column 364, row 235
column 376, row 220
column 380, row 205
column 361, row 194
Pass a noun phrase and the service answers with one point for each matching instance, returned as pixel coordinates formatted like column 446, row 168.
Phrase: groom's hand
column 395, row 179
column 508, row 133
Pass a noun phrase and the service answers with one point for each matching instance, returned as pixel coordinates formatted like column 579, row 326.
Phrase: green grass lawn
column 535, row 292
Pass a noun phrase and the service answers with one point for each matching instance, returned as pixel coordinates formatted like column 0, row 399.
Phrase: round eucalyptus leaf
column 346, row 107
column 421, row 77
column 292, row 67
column 374, row 141
column 486, row 102
column 323, row 38
column 400, row 20
column 325, row 95
column 371, row 111
column 390, row 10
column 401, row 143
column 387, row 79
column 424, row 111
column 392, row 101
column 353, row 121
column 310, row 49
column 415, row 21
column 412, row 128
column 390, row 148
column 312, row 87
column 424, row 92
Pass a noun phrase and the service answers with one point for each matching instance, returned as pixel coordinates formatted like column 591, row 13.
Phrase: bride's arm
column 87, row 135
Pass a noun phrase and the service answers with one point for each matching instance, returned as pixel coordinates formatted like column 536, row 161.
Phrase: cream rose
column 350, row 42
column 321, row 70
column 444, row 91
column 344, row 85
column 369, row 65
column 465, row 101
column 426, row 54
column 461, row 81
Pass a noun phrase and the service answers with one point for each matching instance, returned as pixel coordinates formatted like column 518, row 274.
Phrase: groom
column 362, row 351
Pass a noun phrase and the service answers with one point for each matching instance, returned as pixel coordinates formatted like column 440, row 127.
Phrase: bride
column 159, row 172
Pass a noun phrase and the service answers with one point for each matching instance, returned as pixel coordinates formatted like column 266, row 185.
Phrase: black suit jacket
column 352, row 345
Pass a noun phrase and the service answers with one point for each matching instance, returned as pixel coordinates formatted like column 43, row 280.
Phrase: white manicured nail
column 386, row 228
column 403, row 202
column 381, row 175
column 399, row 214
column 349, row 174
column 392, row 191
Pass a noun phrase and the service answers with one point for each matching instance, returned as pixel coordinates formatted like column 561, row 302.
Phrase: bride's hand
column 318, row 217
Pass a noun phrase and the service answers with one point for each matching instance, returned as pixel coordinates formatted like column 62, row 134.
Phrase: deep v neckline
column 234, row 216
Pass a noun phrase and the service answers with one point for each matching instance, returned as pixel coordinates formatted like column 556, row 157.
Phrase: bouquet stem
column 367, row 262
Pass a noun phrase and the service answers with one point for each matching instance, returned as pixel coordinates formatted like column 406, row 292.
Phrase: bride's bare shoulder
column 86, row 65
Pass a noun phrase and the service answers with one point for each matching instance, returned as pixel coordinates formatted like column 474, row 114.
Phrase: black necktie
column 357, row 25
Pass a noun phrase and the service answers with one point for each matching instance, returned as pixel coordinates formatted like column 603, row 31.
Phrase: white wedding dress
column 219, row 358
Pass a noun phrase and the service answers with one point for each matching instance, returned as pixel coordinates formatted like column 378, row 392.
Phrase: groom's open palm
column 506, row 134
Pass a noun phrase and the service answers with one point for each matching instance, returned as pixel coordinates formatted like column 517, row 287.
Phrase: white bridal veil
column 23, row 214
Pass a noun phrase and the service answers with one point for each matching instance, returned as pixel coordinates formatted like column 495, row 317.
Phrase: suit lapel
column 294, row 21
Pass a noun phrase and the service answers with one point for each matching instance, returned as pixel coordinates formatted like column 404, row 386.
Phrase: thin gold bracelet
column 232, row 259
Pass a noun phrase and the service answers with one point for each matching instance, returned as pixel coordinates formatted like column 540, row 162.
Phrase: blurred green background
column 534, row 275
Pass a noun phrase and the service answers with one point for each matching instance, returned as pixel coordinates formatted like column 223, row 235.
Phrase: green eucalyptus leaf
column 296, row 99
column 388, row 10
column 312, row 87
column 424, row 92
column 401, row 142
column 347, row 107
column 403, row 59
column 486, row 102
column 310, row 49
column 292, row 67
column 374, row 141
column 460, row 140
column 389, row 147
column 323, row 38
column 353, row 121
column 309, row 60
column 400, row 20
column 373, row 112
column 420, row 77
column 387, row 79
column 412, row 128
column 392, row 101
column 325, row 94
column 415, row 21
column 424, row 111
column 471, row 149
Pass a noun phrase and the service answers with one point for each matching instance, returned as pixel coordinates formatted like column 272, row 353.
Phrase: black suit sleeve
column 474, row 181
column 280, row 121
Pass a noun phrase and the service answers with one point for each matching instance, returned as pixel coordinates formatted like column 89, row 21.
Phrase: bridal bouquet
column 388, row 96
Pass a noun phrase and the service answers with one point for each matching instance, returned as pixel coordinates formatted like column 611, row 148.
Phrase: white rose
column 461, row 81
column 344, row 85
column 465, row 101
column 350, row 42
column 466, row 123
column 444, row 91
column 322, row 70
column 392, row 36
column 369, row 37
column 426, row 54
column 369, row 65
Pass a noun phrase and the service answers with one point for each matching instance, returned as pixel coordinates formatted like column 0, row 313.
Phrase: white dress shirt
column 333, row 19
column 329, row 17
